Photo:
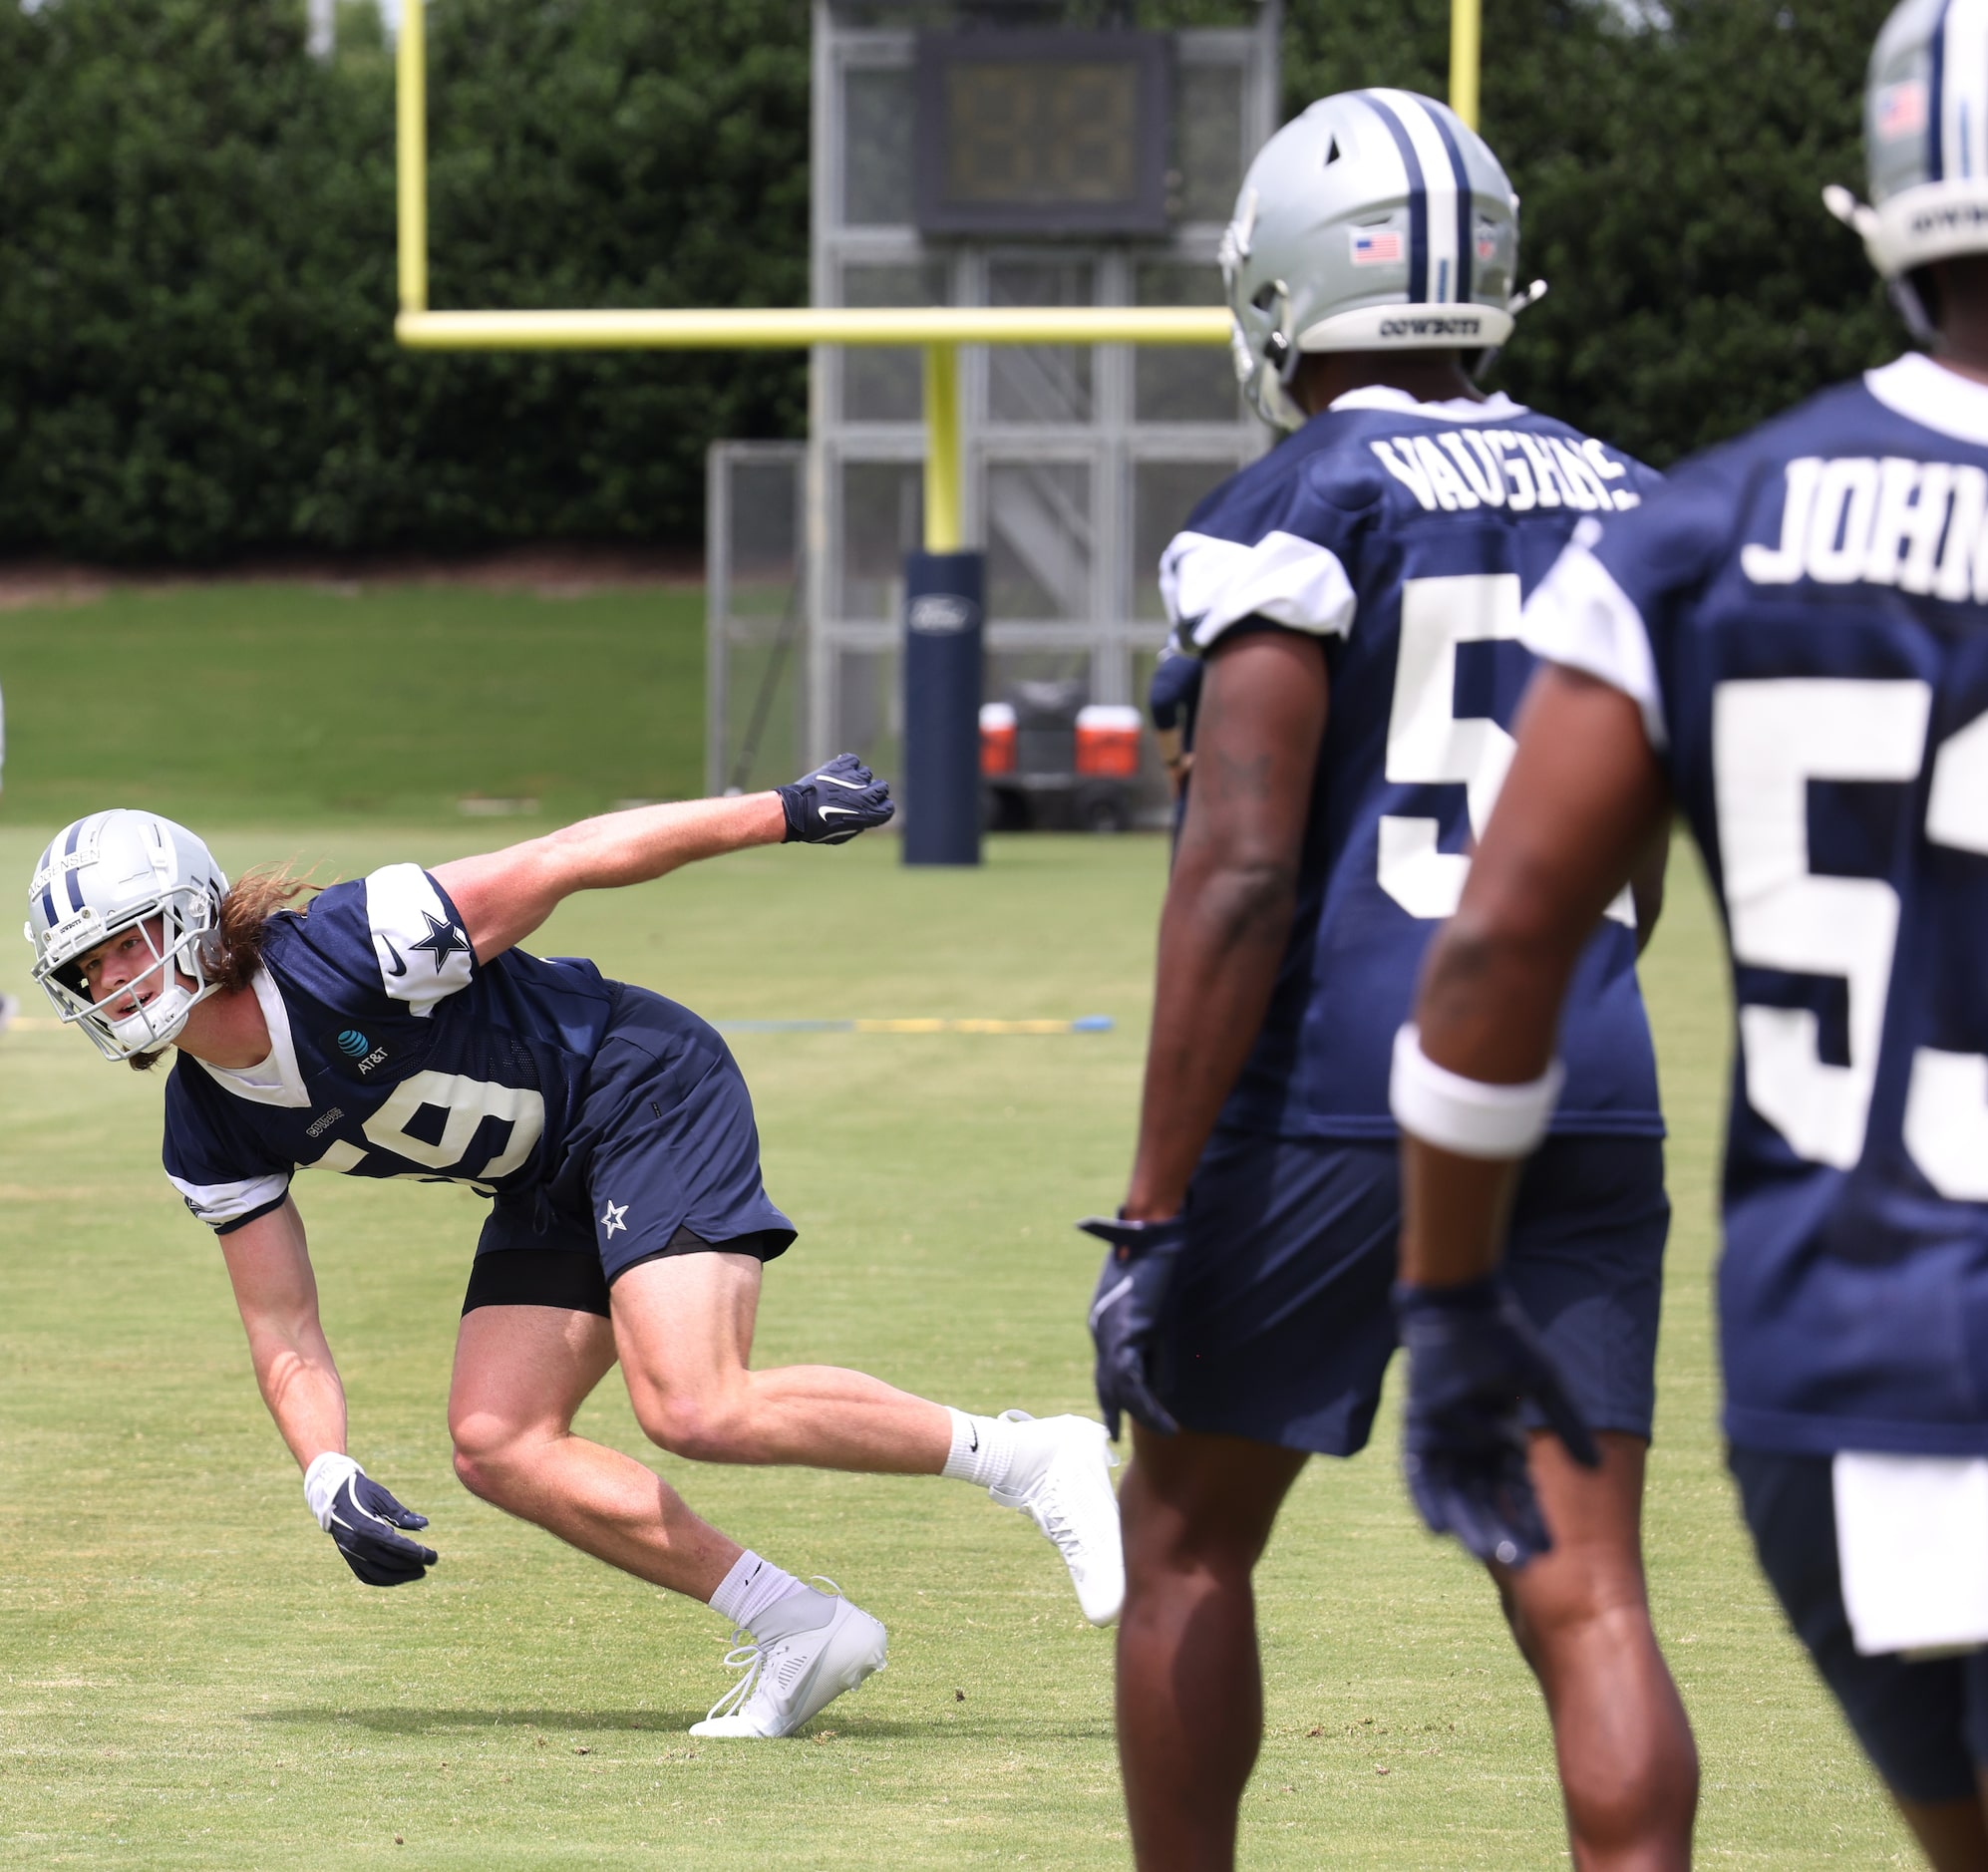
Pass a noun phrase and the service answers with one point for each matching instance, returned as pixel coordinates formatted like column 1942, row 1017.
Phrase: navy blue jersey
column 1800, row 617
column 393, row 1054
column 1406, row 537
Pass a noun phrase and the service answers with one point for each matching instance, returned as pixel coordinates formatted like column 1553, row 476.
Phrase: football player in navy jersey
column 1355, row 596
column 1790, row 645
column 395, row 1028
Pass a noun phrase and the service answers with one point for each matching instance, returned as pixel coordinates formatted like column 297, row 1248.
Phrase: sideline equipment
column 117, row 871
column 1379, row 220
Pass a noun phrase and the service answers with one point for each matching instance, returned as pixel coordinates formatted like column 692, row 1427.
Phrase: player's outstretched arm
column 502, row 896
column 269, row 1266
column 1475, row 1083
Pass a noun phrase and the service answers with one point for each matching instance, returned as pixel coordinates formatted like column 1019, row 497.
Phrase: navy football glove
column 364, row 1522
column 835, row 802
column 1474, row 1361
column 1125, row 1313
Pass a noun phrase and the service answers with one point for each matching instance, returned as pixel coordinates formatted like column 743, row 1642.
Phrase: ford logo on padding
column 352, row 1042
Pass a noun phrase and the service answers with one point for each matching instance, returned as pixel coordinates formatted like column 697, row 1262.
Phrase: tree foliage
column 197, row 264
column 196, row 271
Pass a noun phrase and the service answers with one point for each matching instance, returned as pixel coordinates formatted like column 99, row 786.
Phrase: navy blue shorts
column 1280, row 1328
column 1922, row 1723
column 663, row 1159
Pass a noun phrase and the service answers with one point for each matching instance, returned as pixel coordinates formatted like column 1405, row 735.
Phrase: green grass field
column 188, row 1677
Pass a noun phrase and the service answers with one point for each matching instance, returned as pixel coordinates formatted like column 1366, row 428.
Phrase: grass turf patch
column 189, row 1678
column 293, row 703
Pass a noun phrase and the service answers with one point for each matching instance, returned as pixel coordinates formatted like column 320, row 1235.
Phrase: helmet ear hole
column 1264, row 298
column 1332, row 153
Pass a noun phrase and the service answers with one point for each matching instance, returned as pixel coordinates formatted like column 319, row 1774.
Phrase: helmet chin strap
column 1910, row 305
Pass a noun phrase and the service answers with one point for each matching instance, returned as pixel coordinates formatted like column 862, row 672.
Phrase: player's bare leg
column 1581, row 1616
column 1198, row 1511
column 522, row 1374
column 1953, row 1834
column 684, row 1328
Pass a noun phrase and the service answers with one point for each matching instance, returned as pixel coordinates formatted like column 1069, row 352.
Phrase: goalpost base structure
column 943, row 604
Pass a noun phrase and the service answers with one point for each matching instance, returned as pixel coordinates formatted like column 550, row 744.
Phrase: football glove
column 831, row 805
column 1125, row 1313
column 1474, row 1362
column 364, row 1522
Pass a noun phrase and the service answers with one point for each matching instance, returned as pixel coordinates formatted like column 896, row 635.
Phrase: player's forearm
column 1221, row 941
column 298, row 1380
column 502, row 896
column 651, row 841
column 1487, row 1011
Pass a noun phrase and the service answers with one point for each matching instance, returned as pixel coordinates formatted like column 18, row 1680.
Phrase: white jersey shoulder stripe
column 1210, row 585
column 423, row 952
column 1582, row 618
column 219, row 1204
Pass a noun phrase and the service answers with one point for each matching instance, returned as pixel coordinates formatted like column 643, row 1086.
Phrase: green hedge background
column 196, row 247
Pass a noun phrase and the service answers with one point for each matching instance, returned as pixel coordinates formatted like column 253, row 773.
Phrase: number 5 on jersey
column 1769, row 740
column 1430, row 745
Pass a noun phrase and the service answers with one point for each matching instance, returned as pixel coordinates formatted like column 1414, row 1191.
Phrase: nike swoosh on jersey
column 400, row 966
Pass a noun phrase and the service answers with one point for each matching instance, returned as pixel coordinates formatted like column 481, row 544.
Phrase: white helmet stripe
column 1442, row 186
column 1418, row 195
column 1959, row 116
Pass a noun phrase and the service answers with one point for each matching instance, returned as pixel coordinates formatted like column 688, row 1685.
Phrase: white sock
column 983, row 1449
column 752, row 1588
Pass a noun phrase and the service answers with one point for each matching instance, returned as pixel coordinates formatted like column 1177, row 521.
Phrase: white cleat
column 806, row 1650
column 1068, row 1495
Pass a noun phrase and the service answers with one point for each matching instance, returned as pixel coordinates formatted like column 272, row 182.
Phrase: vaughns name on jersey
column 1462, row 469
column 1916, row 525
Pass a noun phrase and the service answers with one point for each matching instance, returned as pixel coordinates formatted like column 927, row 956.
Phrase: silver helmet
column 109, row 873
column 1375, row 222
column 1925, row 128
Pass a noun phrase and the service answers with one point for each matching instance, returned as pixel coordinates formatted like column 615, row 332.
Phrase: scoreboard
column 1037, row 132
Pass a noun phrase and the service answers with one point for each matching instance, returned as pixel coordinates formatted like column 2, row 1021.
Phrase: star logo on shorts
column 613, row 1219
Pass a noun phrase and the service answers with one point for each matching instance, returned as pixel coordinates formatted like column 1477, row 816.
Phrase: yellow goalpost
column 939, row 329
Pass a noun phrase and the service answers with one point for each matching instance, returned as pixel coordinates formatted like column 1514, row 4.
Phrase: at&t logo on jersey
column 1913, row 526
column 365, row 1056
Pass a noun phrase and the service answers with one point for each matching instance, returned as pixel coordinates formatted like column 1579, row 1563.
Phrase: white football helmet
column 1925, row 132
column 1375, row 222
column 102, row 876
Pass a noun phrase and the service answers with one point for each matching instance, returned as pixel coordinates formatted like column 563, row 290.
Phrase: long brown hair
column 232, row 951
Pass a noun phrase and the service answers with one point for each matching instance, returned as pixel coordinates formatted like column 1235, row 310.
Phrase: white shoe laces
column 772, row 1664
